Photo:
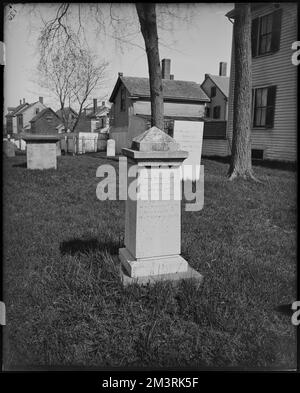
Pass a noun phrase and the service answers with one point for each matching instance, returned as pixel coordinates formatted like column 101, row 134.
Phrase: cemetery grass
column 66, row 306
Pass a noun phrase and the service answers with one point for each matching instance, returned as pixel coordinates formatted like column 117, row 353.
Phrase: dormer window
column 213, row 91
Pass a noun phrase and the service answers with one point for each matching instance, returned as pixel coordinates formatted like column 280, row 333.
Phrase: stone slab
column 174, row 278
column 41, row 155
column 35, row 138
column 152, row 266
column 189, row 135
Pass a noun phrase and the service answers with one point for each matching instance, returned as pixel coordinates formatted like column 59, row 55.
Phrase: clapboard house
column 11, row 119
column 45, row 122
column 215, row 142
column 130, row 113
column 274, row 82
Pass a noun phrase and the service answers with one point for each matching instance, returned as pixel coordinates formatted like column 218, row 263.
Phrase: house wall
column 9, row 125
column 29, row 113
column 14, row 125
column 121, row 117
column 218, row 100
column 46, row 124
column 172, row 109
column 279, row 142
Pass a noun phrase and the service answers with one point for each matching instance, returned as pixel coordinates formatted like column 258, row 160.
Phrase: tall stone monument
column 153, row 217
column 41, row 151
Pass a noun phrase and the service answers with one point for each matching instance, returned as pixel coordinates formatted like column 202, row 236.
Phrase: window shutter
column 254, row 36
column 271, row 106
column 276, row 30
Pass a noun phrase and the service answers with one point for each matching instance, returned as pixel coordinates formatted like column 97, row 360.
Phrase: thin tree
column 67, row 66
column 147, row 18
column 240, row 164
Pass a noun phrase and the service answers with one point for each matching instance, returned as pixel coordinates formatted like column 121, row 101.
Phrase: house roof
column 172, row 89
column 222, row 82
column 67, row 111
column 27, row 107
column 41, row 114
column 14, row 111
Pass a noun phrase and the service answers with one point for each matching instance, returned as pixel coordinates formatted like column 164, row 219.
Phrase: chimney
column 222, row 68
column 171, row 77
column 206, row 76
column 166, row 68
column 95, row 105
column 41, row 99
column 23, row 100
column 120, row 73
column 20, row 102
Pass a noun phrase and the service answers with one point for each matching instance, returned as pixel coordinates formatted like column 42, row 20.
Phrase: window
column 264, row 106
column 216, row 112
column 213, row 91
column 207, row 111
column 122, row 99
column 266, row 33
column 37, row 111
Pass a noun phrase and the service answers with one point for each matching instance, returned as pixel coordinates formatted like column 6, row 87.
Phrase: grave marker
column 8, row 148
column 189, row 136
column 41, row 151
column 111, row 148
column 153, row 223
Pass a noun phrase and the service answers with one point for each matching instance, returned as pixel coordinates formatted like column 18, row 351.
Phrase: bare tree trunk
column 147, row 17
column 240, row 165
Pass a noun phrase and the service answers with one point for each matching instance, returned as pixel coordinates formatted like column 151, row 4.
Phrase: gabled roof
column 222, row 82
column 41, row 114
column 172, row 89
column 27, row 107
column 14, row 111
column 67, row 111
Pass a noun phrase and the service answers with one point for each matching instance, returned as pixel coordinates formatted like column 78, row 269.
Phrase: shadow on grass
column 76, row 246
column 22, row 165
column 285, row 309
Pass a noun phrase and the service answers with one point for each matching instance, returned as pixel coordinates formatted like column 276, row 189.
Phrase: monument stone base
column 139, row 267
column 174, row 278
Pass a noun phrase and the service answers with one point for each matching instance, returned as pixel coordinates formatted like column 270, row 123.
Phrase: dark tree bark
column 240, row 165
column 147, row 18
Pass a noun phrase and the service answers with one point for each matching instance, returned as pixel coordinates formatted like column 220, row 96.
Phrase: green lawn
column 66, row 305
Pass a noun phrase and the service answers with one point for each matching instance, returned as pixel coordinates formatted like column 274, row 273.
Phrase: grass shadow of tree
column 22, row 165
column 77, row 246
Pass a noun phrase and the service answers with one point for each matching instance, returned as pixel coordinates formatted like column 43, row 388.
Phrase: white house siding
column 218, row 100
column 215, row 147
column 279, row 142
column 171, row 109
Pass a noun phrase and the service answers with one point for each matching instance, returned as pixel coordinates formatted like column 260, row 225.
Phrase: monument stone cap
column 154, row 144
column 40, row 138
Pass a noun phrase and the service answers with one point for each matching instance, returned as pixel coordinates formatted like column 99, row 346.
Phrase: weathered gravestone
column 153, row 217
column 189, row 136
column 8, row 148
column 41, row 151
column 111, row 148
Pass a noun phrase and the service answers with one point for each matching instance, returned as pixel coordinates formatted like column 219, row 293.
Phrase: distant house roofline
column 215, row 79
column 175, row 90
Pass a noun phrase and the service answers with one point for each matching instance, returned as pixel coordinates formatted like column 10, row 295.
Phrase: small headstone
column 189, row 136
column 111, row 148
column 153, row 218
column 8, row 148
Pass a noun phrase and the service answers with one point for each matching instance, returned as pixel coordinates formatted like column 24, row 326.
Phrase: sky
column 196, row 39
